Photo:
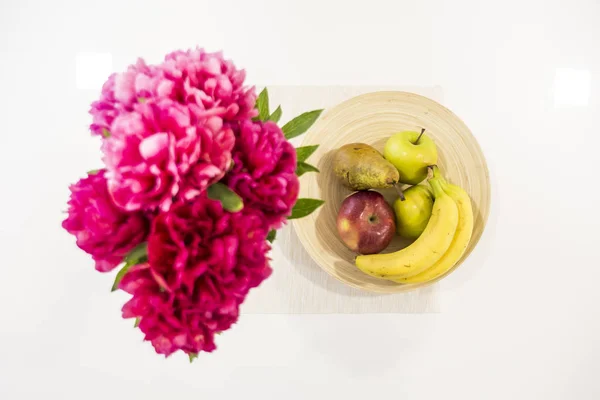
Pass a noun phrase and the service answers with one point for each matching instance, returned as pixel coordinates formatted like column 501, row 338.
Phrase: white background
column 521, row 323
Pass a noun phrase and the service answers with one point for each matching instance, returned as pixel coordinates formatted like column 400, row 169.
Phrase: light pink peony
column 208, row 81
column 264, row 168
column 202, row 263
column 102, row 229
column 194, row 77
column 168, row 127
column 160, row 152
column 122, row 91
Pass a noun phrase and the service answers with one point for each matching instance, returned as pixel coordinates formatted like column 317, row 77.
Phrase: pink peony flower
column 168, row 127
column 202, row 263
column 122, row 91
column 207, row 81
column 195, row 77
column 102, row 229
column 160, row 151
column 264, row 168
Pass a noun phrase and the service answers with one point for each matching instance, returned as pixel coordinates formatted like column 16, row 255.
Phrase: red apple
column 366, row 223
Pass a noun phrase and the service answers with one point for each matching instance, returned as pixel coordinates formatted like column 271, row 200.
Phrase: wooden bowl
column 372, row 118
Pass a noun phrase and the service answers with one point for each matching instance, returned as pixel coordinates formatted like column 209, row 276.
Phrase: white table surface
column 520, row 322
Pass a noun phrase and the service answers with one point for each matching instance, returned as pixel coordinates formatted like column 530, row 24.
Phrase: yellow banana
column 423, row 252
column 460, row 242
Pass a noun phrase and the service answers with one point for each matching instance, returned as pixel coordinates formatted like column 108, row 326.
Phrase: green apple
column 413, row 213
column 411, row 153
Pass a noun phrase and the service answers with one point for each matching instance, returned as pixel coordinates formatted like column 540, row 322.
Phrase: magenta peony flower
column 202, row 263
column 264, row 168
column 200, row 240
column 168, row 127
column 177, row 320
column 102, row 229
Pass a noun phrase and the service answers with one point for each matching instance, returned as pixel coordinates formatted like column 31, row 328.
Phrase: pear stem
column 419, row 138
column 400, row 192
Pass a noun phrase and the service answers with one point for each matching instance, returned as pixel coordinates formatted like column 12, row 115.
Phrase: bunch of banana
column 440, row 246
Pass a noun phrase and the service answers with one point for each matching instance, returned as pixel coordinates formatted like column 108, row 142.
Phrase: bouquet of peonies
column 197, row 178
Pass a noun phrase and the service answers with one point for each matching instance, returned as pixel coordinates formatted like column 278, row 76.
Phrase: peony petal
column 124, row 87
column 151, row 146
column 165, row 88
column 225, row 86
column 106, row 265
column 143, row 83
column 212, row 66
column 163, row 345
column 215, row 124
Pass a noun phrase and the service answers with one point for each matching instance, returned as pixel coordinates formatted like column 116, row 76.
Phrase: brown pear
column 361, row 167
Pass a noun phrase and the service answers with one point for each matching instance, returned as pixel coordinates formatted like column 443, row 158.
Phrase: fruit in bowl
column 413, row 211
column 373, row 118
column 460, row 241
column 423, row 252
column 438, row 249
column 360, row 167
column 411, row 153
column 366, row 222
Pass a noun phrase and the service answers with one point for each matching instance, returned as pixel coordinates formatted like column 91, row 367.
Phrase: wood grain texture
column 372, row 118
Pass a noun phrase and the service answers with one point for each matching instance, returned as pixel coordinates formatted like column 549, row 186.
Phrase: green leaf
column 105, row 132
column 120, row 276
column 93, row 171
column 303, row 168
column 302, row 153
column 300, row 124
column 137, row 255
column 228, row 198
column 192, row 357
column 262, row 104
column 276, row 115
column 305, row 207
column 272, row 235
column 137, row 322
